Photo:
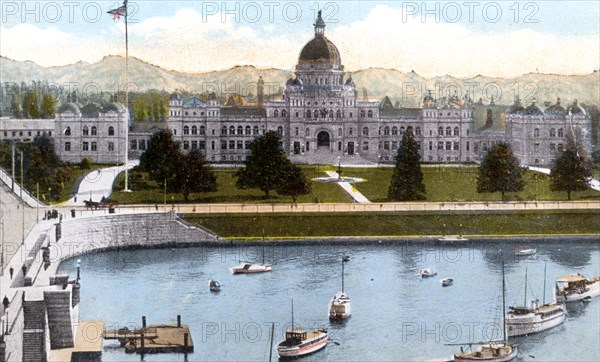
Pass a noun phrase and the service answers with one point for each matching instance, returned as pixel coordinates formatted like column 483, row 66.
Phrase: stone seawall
column 113, row 231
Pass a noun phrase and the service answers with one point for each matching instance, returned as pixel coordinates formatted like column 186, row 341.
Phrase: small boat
column 249, row 268
column 586, row 299
column 214, row 285
column 575, row 287
column 527, row 320
column 452, row 238
column 426, row 273
column 525, row 250
column 446, row 282
column 339, row 305
column 298, row 342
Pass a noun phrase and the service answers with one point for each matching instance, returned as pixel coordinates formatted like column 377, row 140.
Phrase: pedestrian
column 11, row 271
column 156, row 207
column 5, row 302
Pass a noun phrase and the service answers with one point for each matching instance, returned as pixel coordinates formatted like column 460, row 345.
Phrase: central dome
column 320, row 50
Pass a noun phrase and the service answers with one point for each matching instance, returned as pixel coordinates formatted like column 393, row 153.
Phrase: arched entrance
column 323, row 140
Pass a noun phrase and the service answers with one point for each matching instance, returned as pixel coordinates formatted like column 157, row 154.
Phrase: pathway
column 349, row 188
column 594, row 184
column 98, row 184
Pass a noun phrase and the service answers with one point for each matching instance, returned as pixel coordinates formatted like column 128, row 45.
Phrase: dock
column 161, row 338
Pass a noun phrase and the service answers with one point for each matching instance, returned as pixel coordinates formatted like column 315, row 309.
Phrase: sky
column 460, row 38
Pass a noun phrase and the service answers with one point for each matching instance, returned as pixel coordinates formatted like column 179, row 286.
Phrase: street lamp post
column 78, row 269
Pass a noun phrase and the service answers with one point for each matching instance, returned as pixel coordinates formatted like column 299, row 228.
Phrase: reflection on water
column 396, row 315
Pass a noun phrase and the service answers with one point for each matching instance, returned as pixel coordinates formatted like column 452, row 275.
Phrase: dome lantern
column 319, row 25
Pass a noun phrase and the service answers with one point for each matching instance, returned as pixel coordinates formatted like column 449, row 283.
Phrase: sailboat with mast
column 339, row 305
column 535, row 318
column 298, row 342
column 252, row 268
column 492, row 351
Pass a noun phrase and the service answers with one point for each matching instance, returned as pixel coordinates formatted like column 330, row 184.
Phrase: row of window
column 298, row 102
column 395, row 131
column 137, row 144
column 90, row 146
column 92, row 131
column 194, row 113
column 553, row 133
column 552, row 147
column 441, row 114
column 29, row 133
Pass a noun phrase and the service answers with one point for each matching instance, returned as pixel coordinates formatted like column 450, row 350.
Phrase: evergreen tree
column 266, row 166
column 570, row 172
column 500, row 171
column 161, row 157
column 30, row 105
column 407, row 179
column 48, row 109
column 194, row 175
column 15, row 102
column 295, row 184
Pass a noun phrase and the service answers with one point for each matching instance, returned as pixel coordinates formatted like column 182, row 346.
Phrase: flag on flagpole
column 118, row 12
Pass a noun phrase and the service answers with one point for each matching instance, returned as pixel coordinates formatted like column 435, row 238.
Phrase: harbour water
column 396, row 315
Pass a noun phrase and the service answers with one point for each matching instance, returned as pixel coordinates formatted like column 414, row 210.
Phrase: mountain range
column 404, row 88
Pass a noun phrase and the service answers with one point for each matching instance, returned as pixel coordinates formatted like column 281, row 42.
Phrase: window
column 231, row 130
column 202, row 145
column 240, row 130
column 186, row 130
column 94, row 146
column 338, row 114
column 133, row 145
column 213, row 146
column 275, row 113
column 536, row 133
column 456, row 131
column 340, row 132
column 316, row 114
column 365, row 131
column 223, row 145
column 448, row 146
column 468, row 146
column 240, row 145
column 307, row 132
column 365, row 146
column 552, row 132
column 284, row 113
column 308, row 114
column 386, row 145
column 111, row 146
column 402, row 130
column 232, row 145
column 94, row 131
column 142, row 145
column 409, row 129
column 440, row 131
column 186, row 145
column 370, row 114
column 430, row 146
column 202, row 130
column 68, row 146
column 248, row 131
column 111, row 131
column 394, row 131
column 296, row 131
column 386, row 131
column 67, row 131
column 194, row 145
column 536, row 147
column 552, row 147
column 351, row 131
column 224, row 130
column 331, row 113
column 448, row 131
column 456, row 146
column 394, row 145
column 440, row 146
column 560, row 133
column 362, row 113
column 85, row 146
column 255, row 130
column 280, row 131
column 194, row 130
column 86, row 131
column 247, row 144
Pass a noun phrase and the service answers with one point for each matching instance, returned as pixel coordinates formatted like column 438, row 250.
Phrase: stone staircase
column 58, row 305
column 34, row 325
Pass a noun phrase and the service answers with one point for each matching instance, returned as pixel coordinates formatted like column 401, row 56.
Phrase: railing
column 27, row 197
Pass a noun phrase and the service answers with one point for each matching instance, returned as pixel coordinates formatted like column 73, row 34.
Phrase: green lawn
column 148, row 192
column 459, row 184
column 441, row 183
column 75, row 175
column 400, row 224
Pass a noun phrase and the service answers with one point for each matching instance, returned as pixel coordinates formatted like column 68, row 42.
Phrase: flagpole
column 126, row 99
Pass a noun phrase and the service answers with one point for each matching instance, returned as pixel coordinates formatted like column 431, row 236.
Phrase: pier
column 162, row 338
